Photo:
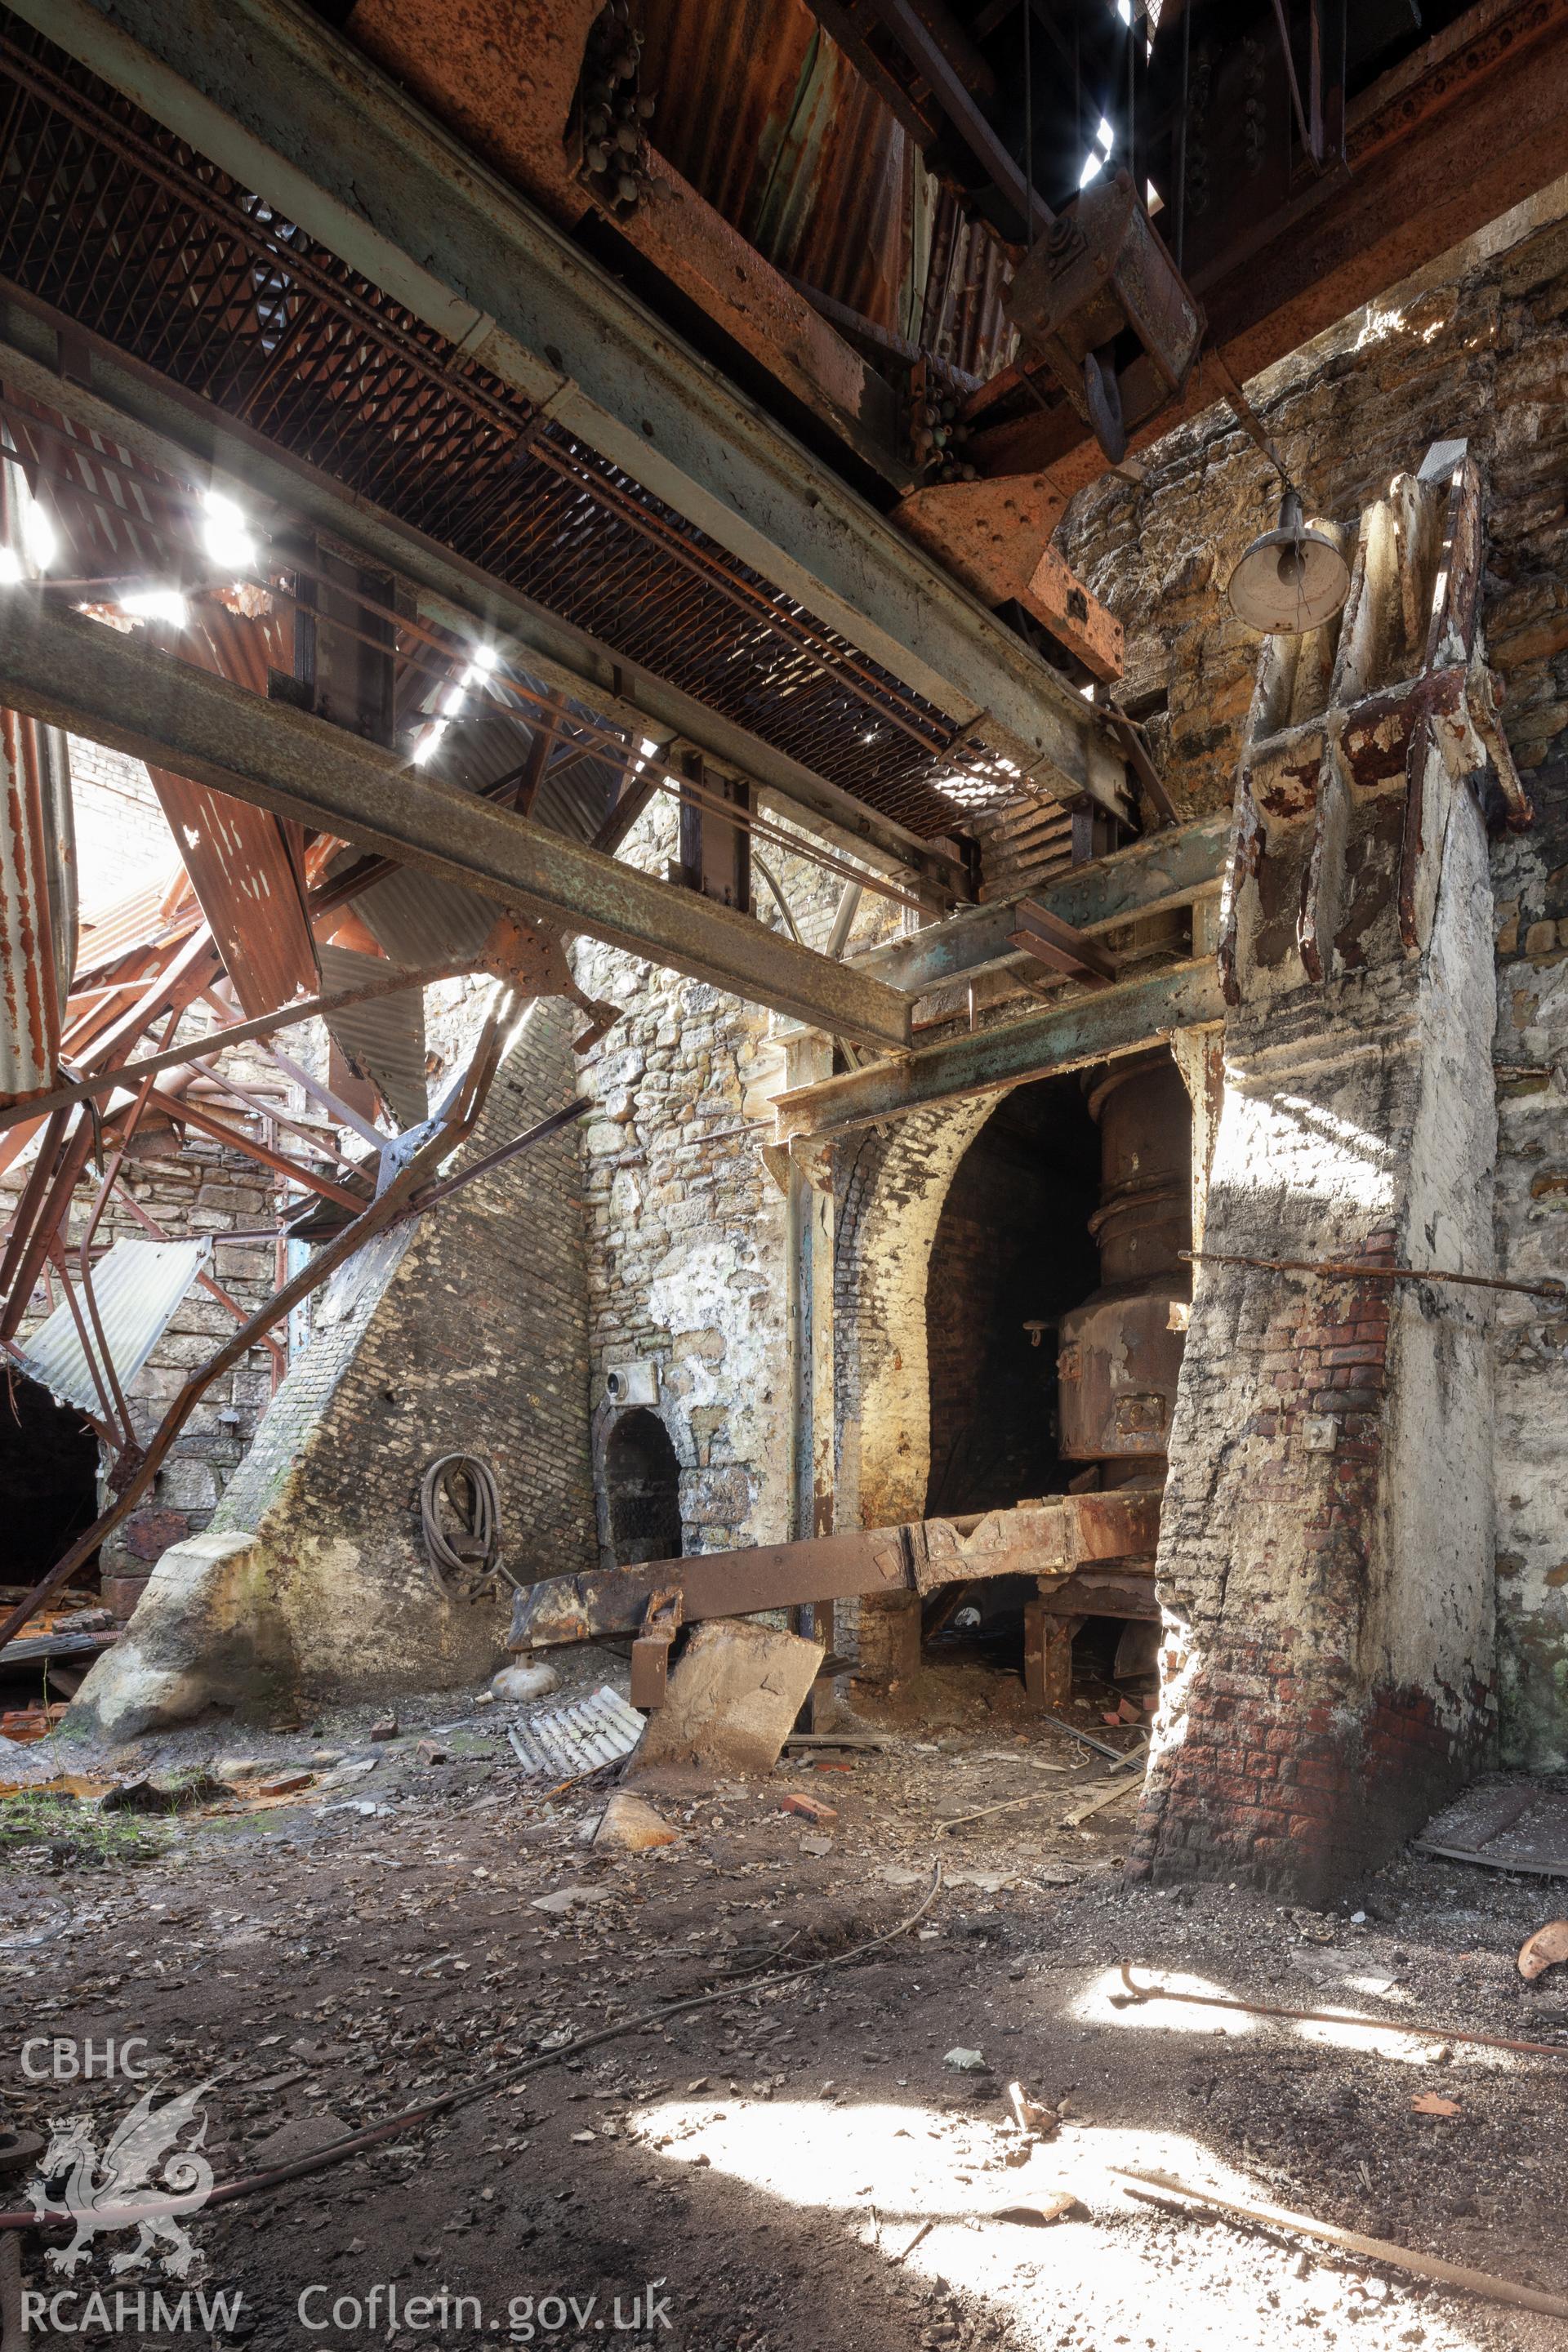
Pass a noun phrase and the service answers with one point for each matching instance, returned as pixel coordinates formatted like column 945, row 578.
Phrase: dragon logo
column 120, row 2191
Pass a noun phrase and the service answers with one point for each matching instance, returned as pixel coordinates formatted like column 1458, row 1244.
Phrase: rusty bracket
column 650, row 1651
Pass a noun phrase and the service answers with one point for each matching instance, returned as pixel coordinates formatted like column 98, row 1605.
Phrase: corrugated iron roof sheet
column 384, row 1039
column 767, row 118
column 579, row 1739
column 137, row 1287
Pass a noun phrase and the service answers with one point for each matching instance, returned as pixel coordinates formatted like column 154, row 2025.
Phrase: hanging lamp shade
column 1291, row 579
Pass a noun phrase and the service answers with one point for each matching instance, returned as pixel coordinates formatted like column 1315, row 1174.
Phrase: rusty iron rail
column 1061, row 1538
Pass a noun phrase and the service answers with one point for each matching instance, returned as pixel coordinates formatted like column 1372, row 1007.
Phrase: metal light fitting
column 1290, row 579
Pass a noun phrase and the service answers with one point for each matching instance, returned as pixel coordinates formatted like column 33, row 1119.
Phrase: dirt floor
column 808, row 2165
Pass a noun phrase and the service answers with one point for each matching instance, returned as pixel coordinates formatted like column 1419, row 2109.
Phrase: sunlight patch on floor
column 1105, row 2002
column 1123, row 2272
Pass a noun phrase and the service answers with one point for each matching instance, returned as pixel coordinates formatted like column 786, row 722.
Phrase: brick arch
column 891, row 1193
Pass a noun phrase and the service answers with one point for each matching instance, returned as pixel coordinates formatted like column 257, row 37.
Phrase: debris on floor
column 580, row 1738
column 733, row 1698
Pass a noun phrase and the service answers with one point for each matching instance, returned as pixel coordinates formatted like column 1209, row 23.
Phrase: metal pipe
column 1351, row 1270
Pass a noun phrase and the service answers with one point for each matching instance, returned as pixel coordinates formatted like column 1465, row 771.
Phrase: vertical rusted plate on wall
column 246, row 865
column 242, row 868
column 30, row 1010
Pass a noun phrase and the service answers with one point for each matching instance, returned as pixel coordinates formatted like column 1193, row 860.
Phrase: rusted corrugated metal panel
column 149, row 918
column 763, row 112
column 242, row 866
column 246, row 865
column 766, row 118
column 137, row 1288
column 420, row 918
column 384, row 1040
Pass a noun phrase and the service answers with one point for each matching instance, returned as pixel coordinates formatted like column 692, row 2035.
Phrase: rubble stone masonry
column 1476, row 345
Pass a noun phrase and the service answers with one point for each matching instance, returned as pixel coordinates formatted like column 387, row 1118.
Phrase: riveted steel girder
column 1164, row 869
column 1126, row 1019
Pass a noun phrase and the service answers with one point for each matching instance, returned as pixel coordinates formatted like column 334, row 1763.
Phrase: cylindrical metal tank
column 1120, row 1355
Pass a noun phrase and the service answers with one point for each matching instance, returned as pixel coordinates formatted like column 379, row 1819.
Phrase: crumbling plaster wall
column 1325, row 1562
column 1475, row 345
column 1530, row 1342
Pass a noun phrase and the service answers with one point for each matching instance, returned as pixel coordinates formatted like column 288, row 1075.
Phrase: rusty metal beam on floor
column 1126, row 1019
column 1166, row 869
column 271, row 95
column 185, row 436
column 1054, row 1538
column 74, row 672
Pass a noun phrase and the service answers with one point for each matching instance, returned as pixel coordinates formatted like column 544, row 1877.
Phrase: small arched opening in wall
column 49, row 1491
column 988, row 1250
column 642, row 1488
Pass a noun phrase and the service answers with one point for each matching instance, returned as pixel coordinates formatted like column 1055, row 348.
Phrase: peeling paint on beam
column 1122, row 1020
column 1167, row 870
column 75, row 672
column 268, row 93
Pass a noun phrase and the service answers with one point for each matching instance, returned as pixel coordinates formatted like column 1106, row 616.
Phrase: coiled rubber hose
column 470, row 1566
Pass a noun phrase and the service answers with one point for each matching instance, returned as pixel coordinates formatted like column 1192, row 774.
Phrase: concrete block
column 733, row 1700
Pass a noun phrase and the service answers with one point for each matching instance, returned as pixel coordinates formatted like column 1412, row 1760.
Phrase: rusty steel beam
column 73, row 672
column 462, row 63
column 268, row 93
column 1049, row 1538
column 1471, row 124
column 1127, row 1019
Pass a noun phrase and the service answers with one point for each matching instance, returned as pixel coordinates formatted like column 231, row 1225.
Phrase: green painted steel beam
column 181, row 433
column 1166, row 869
column 1127, row 1019
column 267, row 91
column 70, row 671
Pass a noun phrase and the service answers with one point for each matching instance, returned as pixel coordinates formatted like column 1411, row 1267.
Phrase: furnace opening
column 1013, row 1252
column 1056, row 1306
column 48, row 1475
column 642, row 1478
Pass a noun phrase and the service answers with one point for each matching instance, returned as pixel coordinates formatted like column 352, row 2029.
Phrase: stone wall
column 688, row 1269
column 1477, row 346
